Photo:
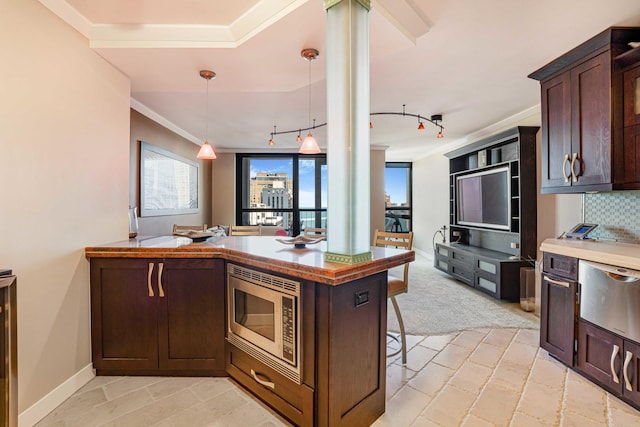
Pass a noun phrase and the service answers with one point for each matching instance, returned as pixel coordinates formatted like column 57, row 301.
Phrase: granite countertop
column 257, row 251
column 619, row 254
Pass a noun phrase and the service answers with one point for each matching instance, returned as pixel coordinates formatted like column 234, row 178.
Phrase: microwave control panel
column 288, row 329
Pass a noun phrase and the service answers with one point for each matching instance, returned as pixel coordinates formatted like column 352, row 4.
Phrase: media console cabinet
column 484, row 255
column 158, row 307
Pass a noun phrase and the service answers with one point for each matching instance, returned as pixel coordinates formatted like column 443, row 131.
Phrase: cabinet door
column 600, row 356
column 124, row 331
column 632, row 97
column 591, row 121
column 556, row 131
column 557, row 317
column 191, row 315
column 631, row 372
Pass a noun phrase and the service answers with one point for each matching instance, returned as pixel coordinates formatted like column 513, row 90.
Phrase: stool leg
column 402, row 333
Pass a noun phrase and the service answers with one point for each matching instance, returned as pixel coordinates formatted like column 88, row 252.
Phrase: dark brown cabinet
column 157, row 316
column 558, row 306
column 611, row 361
column 584, row 147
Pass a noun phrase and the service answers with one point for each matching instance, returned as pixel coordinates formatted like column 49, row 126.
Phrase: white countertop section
column 619, row 254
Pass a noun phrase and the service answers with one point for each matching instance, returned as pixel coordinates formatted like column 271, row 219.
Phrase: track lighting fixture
column 206, row 150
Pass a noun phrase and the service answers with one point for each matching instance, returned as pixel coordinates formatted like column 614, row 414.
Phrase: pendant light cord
column 206, row 119
column 309, row 89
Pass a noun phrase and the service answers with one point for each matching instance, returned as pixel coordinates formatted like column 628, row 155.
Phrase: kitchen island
column 160, row 306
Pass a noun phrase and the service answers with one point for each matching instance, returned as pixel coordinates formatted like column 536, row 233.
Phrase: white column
column 348, row 204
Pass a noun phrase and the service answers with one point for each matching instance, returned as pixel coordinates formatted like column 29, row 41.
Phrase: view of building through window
column 397, row 188
column 285, row 191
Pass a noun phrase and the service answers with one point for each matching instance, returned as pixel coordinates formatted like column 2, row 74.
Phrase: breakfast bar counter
column 256, row 251
column 305, row 336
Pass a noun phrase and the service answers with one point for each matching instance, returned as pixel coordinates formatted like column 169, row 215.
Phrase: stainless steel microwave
column 263, row 318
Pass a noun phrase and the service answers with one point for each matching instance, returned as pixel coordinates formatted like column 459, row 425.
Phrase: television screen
column 483, row 199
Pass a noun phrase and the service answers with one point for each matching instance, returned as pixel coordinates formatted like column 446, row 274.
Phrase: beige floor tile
column 523, row 420
column 500, row 337
column 171, row 385
column 473, row 421
column 172, row 406
column 449, row 407
column 112, row 409
column 452, row 356
column 210, row 387
column 548, row 371
column 621, row 414
column 511, row 375
column 397, row 376
column 128, row 384
column 573, row 419
column 520, row 353
column 528, row 336
column 74, row 406
column 250, row 414
column 418, row 357
column 405, row 406
column 541, row 403
column 495, row 404
column 585, row 398
column 438, row 342
column 469, row 339
column 471, row 377
column 431, row 379
column 486, row 355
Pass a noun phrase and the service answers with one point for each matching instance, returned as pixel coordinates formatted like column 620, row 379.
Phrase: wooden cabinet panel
column 557, row 317
column 600, row 355
column 151, row 316
column 560, row 265
column 631, row 375
column 591, row 121
column 124, row 331
column 556, row 131
column 632, row 97
column 192, row 316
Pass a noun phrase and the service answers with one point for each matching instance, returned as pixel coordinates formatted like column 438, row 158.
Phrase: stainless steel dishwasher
column 610, row 298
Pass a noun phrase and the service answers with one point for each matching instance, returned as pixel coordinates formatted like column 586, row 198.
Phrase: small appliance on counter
column 8, row 351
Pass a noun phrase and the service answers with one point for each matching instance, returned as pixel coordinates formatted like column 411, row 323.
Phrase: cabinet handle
column 149, row 279
column 627, row 360
column 614, row 353
column 573, row 161
column 265, row 383
column 564, row 168
column 557, row 282
column 160, row 289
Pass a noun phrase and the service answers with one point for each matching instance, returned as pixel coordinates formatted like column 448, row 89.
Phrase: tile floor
column 481, row 377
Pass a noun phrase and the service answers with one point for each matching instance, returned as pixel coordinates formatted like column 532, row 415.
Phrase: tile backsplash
column 617, row 215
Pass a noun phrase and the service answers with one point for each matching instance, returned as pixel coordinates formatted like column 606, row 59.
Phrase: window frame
column 409, row 208
column 295, row 209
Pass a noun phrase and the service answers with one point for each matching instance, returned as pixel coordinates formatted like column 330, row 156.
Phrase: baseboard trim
column 36, row 412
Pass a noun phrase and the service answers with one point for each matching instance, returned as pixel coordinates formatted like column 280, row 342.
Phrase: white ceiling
column 465, row 59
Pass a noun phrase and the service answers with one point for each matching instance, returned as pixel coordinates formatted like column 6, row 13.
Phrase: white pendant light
column 206, row 150
column 309, row 145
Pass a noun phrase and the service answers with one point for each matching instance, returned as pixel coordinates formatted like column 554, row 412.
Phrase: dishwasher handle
column 619, row 274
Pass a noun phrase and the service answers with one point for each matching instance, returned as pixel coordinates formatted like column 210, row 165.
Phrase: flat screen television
column 483, row 199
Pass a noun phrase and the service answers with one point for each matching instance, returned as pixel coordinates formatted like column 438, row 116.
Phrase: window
column 284, row 190
column 397, row 189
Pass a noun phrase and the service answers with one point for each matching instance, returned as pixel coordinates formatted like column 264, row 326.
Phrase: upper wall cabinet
column 586, row 105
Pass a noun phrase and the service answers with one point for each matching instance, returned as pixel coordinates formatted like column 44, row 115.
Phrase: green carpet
column 438, row 304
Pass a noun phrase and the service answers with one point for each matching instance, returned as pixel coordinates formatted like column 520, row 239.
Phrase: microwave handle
column 261, row 381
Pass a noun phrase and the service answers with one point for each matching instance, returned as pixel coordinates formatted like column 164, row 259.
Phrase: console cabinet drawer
column 295, row 401
column 462, row 272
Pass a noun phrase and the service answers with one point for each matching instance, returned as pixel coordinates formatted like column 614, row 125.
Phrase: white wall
column 430, row 200
column 64, row 144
